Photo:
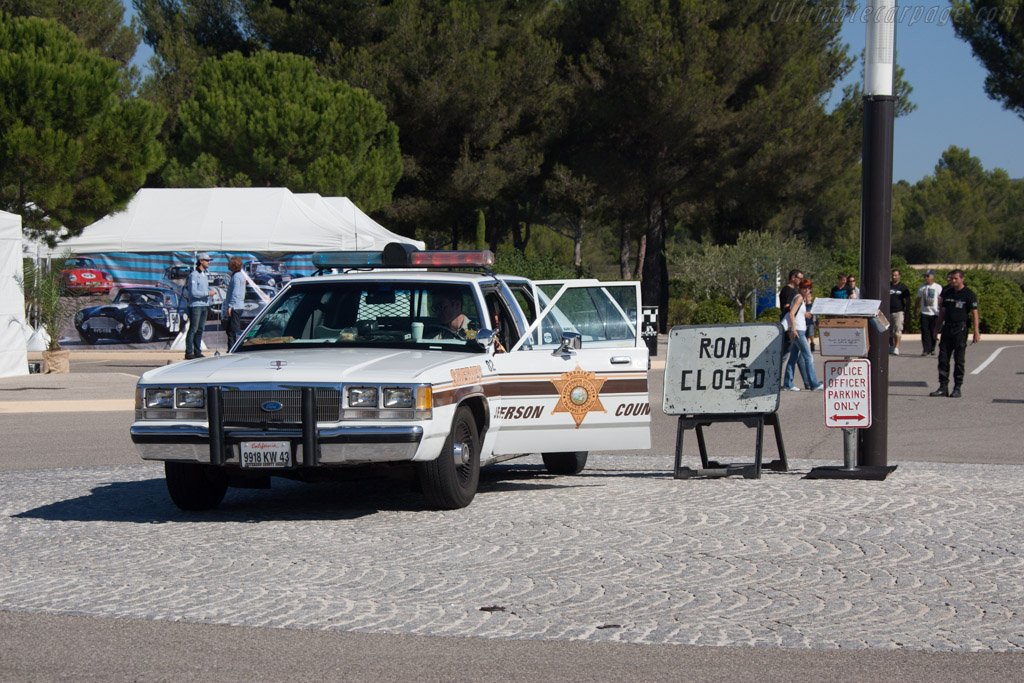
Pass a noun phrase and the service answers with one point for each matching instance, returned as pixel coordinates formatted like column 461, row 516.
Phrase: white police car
column 390, row 363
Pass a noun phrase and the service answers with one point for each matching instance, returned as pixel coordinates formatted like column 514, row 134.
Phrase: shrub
column 770, row 315
column 714, row 312
column 1000, row 301
column 513, row 262
column 992, row 316
column 680, row 311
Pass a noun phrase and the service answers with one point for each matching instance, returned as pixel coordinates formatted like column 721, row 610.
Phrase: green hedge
column 512, row 262
column 714, row 312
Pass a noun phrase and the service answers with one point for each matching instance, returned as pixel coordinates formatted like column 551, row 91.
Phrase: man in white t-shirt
column 928, row 302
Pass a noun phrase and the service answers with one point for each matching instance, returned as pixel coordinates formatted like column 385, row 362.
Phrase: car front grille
column 246, row 406
column 101, row 322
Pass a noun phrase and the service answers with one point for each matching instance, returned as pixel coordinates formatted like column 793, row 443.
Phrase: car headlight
column 79, row 317
column 129, row 319
column 190, row 397
column 72, row 277
column 159, row 397
column 399, row 397
column 362, row 397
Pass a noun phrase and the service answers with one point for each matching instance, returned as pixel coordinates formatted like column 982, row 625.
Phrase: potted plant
column 49, row 306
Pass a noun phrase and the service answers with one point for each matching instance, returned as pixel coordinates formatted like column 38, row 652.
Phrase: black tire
column 146, row 332
column 194, row 486
column 565, row 463
column 450, row 482
column 87, row 337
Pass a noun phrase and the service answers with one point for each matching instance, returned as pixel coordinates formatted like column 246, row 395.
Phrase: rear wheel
column 450, row 482
column 146, row 333
column 194, row 486
column 565, row 463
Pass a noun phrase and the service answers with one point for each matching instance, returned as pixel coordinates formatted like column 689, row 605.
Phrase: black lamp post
column 876, row 214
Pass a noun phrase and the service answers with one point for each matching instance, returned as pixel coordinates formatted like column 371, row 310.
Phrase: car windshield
column 139, row 298
column 369, row 314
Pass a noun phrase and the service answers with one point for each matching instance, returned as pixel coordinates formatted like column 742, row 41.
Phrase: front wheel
column 194, row 486
column 450, row 481
column 565, row 463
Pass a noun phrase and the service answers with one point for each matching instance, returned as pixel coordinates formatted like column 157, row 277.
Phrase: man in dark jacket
column 957, row 305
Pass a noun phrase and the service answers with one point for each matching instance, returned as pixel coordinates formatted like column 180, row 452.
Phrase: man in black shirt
column 840, row 291
column 899, row 302
column 786, row 294
column 788, row 291
column 957, row 305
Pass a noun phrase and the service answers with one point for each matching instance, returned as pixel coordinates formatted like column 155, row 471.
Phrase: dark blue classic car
column 140, row 314
column 271, row 273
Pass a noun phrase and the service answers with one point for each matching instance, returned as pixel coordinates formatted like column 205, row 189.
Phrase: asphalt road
column 45, row 636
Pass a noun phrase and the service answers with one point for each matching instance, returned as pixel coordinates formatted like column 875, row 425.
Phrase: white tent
column 13, row 354
column 267, row 220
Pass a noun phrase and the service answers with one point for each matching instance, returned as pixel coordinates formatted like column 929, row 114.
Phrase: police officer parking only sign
column 723, row 369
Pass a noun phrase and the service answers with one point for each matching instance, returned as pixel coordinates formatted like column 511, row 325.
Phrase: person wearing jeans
column 234, row 300
column 800, row 351
column 199, row 294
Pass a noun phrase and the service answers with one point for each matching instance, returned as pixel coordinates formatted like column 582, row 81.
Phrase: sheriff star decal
column 578, row 394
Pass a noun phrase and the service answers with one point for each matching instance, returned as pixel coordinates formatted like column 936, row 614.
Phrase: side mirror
column 486, row 338
column 571, row 343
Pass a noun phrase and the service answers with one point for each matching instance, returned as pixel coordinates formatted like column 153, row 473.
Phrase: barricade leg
column 712, row 468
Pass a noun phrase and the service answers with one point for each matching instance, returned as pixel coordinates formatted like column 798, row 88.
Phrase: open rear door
column 577, row 379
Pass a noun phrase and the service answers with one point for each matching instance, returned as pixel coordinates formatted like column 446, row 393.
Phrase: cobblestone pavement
column 929, row 559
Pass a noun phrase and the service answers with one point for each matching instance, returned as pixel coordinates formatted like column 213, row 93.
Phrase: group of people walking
column 794, row 300
column 945, row 315
column 947, row 311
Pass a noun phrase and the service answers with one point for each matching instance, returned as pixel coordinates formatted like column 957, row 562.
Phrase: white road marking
column 991, row 358
column 82, row 406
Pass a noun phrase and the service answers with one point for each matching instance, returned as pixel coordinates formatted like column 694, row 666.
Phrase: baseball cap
column 203, row 256
column 930, row 271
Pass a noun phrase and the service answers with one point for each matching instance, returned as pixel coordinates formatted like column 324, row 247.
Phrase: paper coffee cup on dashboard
column 417, row 331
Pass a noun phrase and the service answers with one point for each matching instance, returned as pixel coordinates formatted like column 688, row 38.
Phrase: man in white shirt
column 928, row 302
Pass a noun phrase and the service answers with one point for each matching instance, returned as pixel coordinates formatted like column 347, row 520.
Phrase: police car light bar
column 397, row 255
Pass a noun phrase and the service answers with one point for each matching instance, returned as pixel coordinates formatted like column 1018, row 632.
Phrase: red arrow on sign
column 848, row 417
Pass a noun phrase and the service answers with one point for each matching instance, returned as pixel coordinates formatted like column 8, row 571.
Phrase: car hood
column 107, row 309
column 121, row 308
column 311, row 366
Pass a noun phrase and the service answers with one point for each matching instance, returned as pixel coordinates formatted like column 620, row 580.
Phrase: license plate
column 257, row 454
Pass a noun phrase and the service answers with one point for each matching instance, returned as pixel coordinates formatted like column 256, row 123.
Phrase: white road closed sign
column 848, row 393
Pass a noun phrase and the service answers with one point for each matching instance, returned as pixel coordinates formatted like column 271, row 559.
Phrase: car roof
column 414, row 276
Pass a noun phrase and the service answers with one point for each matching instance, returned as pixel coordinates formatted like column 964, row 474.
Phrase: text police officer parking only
column 723, row 369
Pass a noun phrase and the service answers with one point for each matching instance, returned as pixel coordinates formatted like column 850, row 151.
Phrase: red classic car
column 81, row 276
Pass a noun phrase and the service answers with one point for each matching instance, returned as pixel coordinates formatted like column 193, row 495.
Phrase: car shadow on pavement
column 147, row 501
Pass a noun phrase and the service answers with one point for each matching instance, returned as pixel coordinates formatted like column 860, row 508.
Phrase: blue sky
column 952, row 107
column 948, row 82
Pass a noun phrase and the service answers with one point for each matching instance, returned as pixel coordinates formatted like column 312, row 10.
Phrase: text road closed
column 848, row 393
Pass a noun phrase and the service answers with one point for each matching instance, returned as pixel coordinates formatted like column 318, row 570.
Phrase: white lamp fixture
column 879, row 46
